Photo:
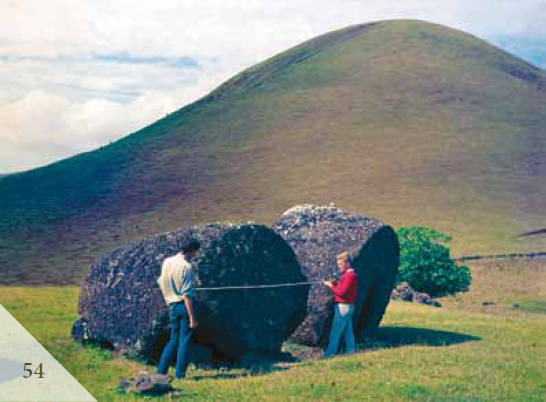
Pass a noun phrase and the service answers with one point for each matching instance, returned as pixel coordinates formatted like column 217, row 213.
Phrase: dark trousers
column 180, row 338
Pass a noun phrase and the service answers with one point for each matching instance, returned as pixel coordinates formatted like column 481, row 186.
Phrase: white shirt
column 176, row 279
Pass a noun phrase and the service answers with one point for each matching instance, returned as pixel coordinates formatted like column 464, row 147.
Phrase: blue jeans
column 342, row 325
column 180, row 337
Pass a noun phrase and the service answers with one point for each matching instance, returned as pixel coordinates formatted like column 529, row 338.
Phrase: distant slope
column 410, row 122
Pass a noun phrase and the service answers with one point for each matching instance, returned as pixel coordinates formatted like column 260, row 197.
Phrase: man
column 344, row 298
column 176, row 283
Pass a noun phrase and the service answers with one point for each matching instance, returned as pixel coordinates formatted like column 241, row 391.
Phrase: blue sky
column 76, row 74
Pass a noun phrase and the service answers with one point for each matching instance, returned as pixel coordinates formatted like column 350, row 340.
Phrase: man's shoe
column 162, row 379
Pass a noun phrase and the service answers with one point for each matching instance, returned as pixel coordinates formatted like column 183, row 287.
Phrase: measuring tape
column 277, row 285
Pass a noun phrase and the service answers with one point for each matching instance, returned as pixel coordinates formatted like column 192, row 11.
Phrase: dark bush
column 426, row 265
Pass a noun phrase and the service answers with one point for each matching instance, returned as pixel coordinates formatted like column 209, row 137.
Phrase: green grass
column 532, row 306
column 499, row 284
column 457, row 352
column 410, row 122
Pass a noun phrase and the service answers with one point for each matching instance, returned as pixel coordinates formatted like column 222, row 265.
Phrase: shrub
column 426, row 265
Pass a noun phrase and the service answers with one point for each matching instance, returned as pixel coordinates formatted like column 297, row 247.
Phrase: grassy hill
column 407, row 121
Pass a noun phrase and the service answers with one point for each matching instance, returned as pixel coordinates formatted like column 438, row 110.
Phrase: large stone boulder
column 121, row 304
column 317, row 235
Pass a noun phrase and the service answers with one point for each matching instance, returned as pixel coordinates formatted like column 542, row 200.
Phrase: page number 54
column 29, row 373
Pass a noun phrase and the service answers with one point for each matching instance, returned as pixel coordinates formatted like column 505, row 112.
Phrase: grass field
column 463, row 351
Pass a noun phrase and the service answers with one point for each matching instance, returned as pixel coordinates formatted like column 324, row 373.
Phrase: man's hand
column 191, row 315
column 327, row 283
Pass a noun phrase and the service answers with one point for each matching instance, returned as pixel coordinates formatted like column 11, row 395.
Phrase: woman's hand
column 327, row 283
column 193, row 323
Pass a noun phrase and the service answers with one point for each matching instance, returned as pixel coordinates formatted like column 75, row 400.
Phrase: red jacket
column 346, row 288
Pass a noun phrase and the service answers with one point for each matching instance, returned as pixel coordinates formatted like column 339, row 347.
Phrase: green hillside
column 407, row 121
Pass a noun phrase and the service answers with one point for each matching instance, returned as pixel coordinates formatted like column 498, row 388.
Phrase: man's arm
column 189, row 306
column 341, row 288
column 187, row 285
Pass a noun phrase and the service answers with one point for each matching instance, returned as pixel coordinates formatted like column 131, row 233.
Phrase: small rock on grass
column 406, row 293
column 145, row 383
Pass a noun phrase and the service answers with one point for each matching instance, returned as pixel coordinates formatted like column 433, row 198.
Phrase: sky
column 76, row 74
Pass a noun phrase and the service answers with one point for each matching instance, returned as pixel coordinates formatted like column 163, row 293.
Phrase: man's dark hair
column 191, row 244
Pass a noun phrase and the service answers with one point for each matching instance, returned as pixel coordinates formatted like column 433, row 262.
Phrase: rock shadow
column 394, row 336
column 246, row 373
column 251, row 365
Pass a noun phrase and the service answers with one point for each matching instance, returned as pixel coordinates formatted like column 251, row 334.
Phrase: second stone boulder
column 317, row 234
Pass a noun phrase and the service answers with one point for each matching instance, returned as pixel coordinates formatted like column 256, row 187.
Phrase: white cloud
column 58, row 98
column 40, row 127
column 247, row 31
